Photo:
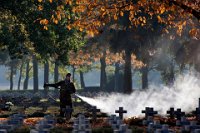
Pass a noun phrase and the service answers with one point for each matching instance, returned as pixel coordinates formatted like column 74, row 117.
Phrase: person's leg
column 62, row 111
column 70, row 104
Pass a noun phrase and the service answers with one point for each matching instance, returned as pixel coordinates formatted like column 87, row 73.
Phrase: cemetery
column 88, row 119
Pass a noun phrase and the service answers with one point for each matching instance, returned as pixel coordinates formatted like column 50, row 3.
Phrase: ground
column 37, row 106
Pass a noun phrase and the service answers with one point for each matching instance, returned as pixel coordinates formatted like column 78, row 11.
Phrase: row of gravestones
column 148, row 111
column 82, row 125
column 14, row 121
column 44, row 125
column 188, row 126
column 184, row 125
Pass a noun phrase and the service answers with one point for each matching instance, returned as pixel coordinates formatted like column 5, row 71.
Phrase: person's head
column 68, row 76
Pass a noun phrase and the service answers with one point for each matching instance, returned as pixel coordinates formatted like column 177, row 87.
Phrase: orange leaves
column 195, row 33
column 161, row 9
column 180, row 26
column 94, row 14
column 44, row 22
column 40, row 8
column 136, row 63
column 103, row 9
column 68, row 27
column 159, row 19
column 115, row 17
column 121, row 13
column 68, row 2
column 45, row 28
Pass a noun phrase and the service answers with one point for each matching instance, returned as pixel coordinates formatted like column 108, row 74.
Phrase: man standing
column 66, row 89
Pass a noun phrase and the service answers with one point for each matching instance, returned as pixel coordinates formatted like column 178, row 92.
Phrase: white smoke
column 183, row 94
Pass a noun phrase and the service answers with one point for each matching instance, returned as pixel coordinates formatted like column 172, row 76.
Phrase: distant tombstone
column 182, row 122
column 149, row 112
column 40, row 131
column 121, row 111
column 178, row 113
column 123, row 129
column 197, row 111
column 171, row 113
column 49, row 119
column 81, row 125
column 153, row 126
column 165, row 129
column 197, row 131
column 94, row 111
column 191, row 127
column 3, row 131
column 148, row 120
column 43, row 126
column 7, row 127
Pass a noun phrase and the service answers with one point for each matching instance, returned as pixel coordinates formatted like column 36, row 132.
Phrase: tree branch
column 194, row 12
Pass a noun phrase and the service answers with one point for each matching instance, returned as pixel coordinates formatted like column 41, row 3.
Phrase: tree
column 46, row 39
column 26, row 80
column 20, row 73
column 95, row 14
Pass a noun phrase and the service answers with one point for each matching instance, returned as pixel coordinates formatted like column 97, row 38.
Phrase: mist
column 183, row 94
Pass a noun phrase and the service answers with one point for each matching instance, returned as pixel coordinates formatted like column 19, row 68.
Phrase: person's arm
column 56, row 85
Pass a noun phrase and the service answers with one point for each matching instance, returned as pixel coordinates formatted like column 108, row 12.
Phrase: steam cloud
column 183, row 94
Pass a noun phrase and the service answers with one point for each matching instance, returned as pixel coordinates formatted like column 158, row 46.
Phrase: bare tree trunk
column 35, row 74
column 56, row 72
column 127, row 73
column 82, row 80
column 20, row 75
column 145, row 77
column 11, row 76
column 73, row 73
column 116, row 88
column 103, row 78
column 46, row 75
column 27, row 75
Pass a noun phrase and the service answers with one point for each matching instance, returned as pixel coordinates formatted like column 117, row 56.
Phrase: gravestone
column 149, row 112
column 81, row 125
column 178, row 113
column 171, row 113
column 94, row 111
column 44, row 126
column 153, row 126
column 191, row 127
column 7, row 127
column 3, row 131
column 197, row 111
column 121, row 111
column 148, row 120
column 165, row 129
column 123, row 128
column 182, row 122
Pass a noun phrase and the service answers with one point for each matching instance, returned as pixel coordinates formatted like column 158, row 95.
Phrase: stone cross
column 197, row 112
column 94, row 111
column 121, row 111
column 171, row 113
column 149, row 112
column 179, row 114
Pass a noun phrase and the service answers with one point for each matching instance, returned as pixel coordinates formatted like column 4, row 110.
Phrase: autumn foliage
column 94, row 14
